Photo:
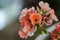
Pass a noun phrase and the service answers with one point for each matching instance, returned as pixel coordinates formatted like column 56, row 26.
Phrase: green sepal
column 39, row 31
column 46, row 31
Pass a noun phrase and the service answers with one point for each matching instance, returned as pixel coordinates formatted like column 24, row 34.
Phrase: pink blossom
column 56, row 33
column 30, row 17
column 52, row 15
column 44, row 6
column 23, row 13
column 22, row 34
column 47, row 21
column 58, row 27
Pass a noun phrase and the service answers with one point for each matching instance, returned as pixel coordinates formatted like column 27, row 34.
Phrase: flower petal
column 22, row 34
column 30, row 33
column 35, row 18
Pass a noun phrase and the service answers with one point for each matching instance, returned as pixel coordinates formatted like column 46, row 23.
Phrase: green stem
column 41, row 30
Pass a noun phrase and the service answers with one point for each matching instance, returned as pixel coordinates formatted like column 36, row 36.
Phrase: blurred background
column 9, row 13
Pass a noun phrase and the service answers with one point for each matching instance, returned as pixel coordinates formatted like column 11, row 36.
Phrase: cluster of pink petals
column 30, row 17
column 44, row 6
column 47, row 20
column 25, row 32
column 27, row 11
column 27, row 28
column 56, row 33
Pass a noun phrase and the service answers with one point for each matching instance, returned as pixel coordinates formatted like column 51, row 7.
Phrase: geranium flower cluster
column 44, row 15
column 56, row 33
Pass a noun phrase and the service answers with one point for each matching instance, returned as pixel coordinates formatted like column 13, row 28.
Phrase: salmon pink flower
column 24, row 21
column 44, row 6
column 30, row 28
column 31, row 20
column 47, row 21
column 53, row 35
column 58, row 36
column 27, row 31
column 52, row 15
column 32, row 31
column 23, row 13
column 55, row 39
column 35, row 18
column 56, row 32
column 31, row 11
column 41, row 4
column 22, row 34
column 58, row 27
